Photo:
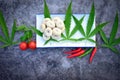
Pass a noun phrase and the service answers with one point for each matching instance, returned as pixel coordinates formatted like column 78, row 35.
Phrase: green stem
column 86, row 53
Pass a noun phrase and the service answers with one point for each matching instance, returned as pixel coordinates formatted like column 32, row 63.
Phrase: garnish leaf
column 116, row 41
column 102, row 34
column 50, row 40
column 13, row 31
column 24, row 37
column 67, row 20
column 86, row 53
column 30, row 34
column 27, row 36
column 114, row 49
column 114, row 29
column 4, row 26
column 22, row 28
column 2, row 39
column 78, row 26
column 36, row 31
column 46, row 42
column 46, row 10
column 63, row 36
column 91, row 40
column 90, row 20
column 5, row 45
column 98, row 28
column 81, row 39
column 72, row 39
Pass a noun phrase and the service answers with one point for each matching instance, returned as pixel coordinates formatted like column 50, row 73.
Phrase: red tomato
column 32, row 45
column 23, row 46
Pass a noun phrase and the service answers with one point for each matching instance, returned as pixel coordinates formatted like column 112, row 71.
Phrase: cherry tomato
column 32, row 45
column 23, row 46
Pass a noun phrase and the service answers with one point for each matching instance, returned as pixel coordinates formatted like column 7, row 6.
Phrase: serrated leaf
column 116, row 41
column 114, row 29
column 104, row 38
column 4, row 26
column 90, row 20
column 67, row 20
column 97, row 29
column 46, row 10
column 91, row 40
column 13, row 30
column 2, row 39
column 36, row 31
column 78, row 26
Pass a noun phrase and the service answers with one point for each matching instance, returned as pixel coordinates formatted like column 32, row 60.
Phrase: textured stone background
column 51, row 63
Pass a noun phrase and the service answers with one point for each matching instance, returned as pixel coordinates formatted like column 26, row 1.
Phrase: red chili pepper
column 73, row 51
column 93, row 54
column 76, row 54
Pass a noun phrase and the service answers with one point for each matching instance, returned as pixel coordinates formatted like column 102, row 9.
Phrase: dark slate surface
column 51, row 63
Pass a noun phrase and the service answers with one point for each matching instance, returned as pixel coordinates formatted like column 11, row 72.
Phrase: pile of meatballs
column 52, row 28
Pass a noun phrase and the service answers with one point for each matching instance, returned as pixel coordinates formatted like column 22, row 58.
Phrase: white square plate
column 40, row 41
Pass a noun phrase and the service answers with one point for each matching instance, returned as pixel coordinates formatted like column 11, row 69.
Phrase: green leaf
column 13, row 31
column 63, row 36
column 21, row 28
column 86, row 53
column 5, row 45
column 16, row 42
column 102, row 34
column 114, row 49
column 81, row 39
column 2, row 39
column 91, row 40
column 50, row 40
column 97, row 29
column 111, row 48
column 29, row 34
column 67, row 21
column 46, row 42
column 114, row 29
column 116, row 41
column 63, row 39
column 4, row 26
column 24, row 37
column 46, row 10
column 54, row 40
column 72, row 39
column 78, row 26
column 90, row 20
column 36, row 31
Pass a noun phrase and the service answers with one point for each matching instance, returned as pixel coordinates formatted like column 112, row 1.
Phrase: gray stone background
column 51, row 63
